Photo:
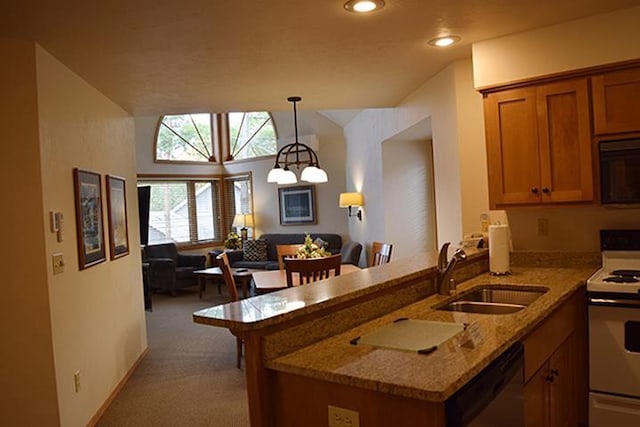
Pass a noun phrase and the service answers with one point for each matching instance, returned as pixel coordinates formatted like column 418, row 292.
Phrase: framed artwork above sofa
column 297, row 205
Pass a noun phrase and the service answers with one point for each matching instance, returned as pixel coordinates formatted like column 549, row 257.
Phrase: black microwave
column 620, row 171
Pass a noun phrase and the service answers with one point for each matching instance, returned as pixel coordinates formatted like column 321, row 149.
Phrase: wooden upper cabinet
column 564, row 130
column 616, row 102
column 512, row 146
column 539, row 144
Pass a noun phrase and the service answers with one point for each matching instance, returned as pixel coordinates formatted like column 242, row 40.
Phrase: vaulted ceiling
column 173, row 56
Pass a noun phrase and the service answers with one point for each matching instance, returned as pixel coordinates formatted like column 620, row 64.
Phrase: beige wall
column 27, row 374
column 331, row 154
column 407, row 163
column 97, row 315
column 474, row 186
column 441, row 100
column 588, row 42
column 596, row 40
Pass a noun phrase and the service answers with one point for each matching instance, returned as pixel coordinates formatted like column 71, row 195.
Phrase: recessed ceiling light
column 363, row 6
column 444, row 41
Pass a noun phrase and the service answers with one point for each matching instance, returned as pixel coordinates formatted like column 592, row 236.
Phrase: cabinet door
column 616, row 102
column 565, row 142
column 563, row 390
column 536, row 399
column 512, row 146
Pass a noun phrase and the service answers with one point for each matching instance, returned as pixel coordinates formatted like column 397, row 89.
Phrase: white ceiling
column 173, row 56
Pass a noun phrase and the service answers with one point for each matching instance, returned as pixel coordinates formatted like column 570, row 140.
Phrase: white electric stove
column 614, row 332
column 620, row 273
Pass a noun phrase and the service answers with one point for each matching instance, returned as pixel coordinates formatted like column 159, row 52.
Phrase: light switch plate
column 58, row 263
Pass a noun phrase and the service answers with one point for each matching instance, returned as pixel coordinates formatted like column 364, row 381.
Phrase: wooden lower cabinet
column 556, row 389
column 550, row 395
column 302, row 401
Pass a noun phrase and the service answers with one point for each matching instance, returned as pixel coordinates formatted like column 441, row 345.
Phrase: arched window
column 185, row 137
column 194, row 137
column 251, row 135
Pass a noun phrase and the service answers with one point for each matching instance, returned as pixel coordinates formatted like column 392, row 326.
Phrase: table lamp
column 243, row 221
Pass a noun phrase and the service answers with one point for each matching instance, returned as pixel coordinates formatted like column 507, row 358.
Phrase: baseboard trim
column 105, row 405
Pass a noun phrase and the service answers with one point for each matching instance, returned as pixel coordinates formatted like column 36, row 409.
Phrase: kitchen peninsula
column 299, row 358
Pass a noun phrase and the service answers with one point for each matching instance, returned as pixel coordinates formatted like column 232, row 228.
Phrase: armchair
column 170, row 270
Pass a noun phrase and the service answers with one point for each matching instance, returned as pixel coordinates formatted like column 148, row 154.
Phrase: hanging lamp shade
column 296, row 155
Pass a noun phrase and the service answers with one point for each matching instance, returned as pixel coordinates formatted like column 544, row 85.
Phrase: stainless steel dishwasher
column 492, row 398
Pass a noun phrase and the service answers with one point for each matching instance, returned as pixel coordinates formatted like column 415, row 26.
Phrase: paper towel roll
column 499, row 249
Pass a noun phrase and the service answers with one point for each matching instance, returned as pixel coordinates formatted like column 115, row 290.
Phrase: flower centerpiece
column 232, row 241
column 311, row 249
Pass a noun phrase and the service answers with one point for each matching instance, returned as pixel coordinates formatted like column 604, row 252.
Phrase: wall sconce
column 298, row 156
column 243, row 221
column 349, row 200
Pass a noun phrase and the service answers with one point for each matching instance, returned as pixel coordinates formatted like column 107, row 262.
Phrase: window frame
column 220, row 141
column 225, row 225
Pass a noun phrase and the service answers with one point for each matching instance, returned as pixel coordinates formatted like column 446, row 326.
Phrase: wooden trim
column 186, row 162
column 175, row 177
column 215, row 139
column 580, row 72
column 251, row 159
column 225, row 138
column 112, row 396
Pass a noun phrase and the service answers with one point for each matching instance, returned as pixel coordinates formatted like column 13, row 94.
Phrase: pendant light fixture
column 297, row 155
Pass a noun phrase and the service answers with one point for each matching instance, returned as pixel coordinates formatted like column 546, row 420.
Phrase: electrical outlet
column 340, row 417
column 76, row 381
column 58, row 263
column 543, row 227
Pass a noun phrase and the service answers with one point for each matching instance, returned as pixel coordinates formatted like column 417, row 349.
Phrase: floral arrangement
column 311, row 249
column 232, row 241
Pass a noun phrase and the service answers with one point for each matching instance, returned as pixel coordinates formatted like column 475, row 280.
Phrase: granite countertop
column 276, row 307
column 436, row 376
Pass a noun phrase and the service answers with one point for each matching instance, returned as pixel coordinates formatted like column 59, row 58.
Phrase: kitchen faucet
column 444, row 283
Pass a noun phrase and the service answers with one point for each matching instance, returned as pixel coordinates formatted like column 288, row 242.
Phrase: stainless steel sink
column 494, row 299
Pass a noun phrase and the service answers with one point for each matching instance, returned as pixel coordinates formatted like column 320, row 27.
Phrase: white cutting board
column 411, row 334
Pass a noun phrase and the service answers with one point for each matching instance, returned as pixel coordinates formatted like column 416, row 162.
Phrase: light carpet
column 189, row 375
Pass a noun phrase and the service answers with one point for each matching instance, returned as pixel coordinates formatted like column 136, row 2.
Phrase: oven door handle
column 611, row 302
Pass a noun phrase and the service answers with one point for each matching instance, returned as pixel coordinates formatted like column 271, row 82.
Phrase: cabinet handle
column 555, row 372
column 534, row 190
column 549, row 378
column 545, row 190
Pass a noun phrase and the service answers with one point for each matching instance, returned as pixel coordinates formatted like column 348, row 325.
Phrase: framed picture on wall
column 117, row 215
column 297, row 205
column 90, row 233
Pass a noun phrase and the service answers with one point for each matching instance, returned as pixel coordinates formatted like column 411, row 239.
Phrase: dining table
column 240, row 275
column 266, row 281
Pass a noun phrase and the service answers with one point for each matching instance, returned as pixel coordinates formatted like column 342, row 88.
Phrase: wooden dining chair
column 310, row 270
column 380, row 253
column 230, row 282
column 285, row 251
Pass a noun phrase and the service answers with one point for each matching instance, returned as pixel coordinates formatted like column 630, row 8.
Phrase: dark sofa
column 170, row 270
column 350, row 252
